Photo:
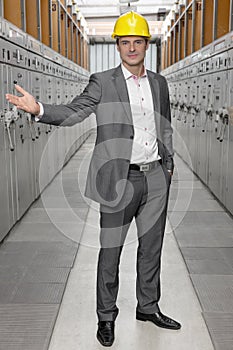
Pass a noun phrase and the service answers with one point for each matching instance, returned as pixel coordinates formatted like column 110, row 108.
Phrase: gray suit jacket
column 106, row 95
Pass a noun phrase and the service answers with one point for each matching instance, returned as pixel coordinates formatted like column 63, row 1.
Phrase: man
column 130, row 170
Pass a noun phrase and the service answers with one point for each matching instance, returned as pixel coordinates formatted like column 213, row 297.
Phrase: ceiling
column 93, row 9
column 100, row 15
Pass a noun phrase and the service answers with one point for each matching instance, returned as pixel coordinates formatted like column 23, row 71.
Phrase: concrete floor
column 48, row 271
column 77, row 323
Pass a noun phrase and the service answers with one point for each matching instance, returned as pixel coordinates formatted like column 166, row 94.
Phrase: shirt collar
column 127, row 74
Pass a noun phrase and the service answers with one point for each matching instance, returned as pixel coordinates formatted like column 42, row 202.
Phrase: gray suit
column 123, row 193
column 106, row 95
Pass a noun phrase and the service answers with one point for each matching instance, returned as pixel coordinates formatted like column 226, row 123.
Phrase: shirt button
column 144, row 113
column 146, row 143
column 145, row 129
column 142, row 99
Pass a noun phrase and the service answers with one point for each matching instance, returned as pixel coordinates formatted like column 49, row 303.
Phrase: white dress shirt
column 38, row 116
column 145, row 146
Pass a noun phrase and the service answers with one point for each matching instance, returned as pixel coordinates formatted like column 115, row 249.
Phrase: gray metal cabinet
column 229, row 166
column 32, row 153
column 204, row 126
column 216, row 153
column 202, row 115
column 4, row 179
column 23, row 149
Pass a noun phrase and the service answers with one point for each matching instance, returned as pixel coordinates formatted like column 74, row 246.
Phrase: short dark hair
column 117, row 40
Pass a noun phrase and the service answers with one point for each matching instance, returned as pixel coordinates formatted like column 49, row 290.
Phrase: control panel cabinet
column 218, row 134
column 229, row 166
column 23, row 148
column 32, row 153
column 202, row 115
column 4, row 175
column 204, row 126
column 12, row 54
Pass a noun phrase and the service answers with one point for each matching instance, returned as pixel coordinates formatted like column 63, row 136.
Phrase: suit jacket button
column 131, row 137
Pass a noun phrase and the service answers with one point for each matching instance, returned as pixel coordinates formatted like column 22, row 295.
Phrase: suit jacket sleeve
column 79, row 108
column 167, row 129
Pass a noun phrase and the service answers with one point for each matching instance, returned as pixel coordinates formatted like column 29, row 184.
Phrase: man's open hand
column 26, row 102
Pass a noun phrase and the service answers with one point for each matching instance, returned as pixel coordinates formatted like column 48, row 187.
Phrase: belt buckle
column 144, row 167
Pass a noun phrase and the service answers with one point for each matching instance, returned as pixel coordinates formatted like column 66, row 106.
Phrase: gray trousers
column 145, row 198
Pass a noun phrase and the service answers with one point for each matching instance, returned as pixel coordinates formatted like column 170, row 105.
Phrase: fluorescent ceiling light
column 127, row 1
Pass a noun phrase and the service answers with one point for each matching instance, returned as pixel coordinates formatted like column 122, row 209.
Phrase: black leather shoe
column 159, row 320
column 105, row 333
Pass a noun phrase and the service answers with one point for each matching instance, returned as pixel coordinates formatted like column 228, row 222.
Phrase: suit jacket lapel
column 121, row 88
column 155, row 89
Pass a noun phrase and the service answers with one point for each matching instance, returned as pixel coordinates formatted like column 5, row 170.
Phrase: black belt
column 145, row 167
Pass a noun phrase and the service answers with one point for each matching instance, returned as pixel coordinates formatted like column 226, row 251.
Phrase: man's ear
column 117, row 46
column 147, row 45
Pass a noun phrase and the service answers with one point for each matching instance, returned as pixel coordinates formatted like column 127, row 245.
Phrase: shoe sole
column 158, row 325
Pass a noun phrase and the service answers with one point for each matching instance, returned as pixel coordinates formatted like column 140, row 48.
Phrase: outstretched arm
column 65, row 114
column 26, row 102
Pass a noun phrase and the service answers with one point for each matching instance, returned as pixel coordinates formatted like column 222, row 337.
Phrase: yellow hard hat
column 131, row 23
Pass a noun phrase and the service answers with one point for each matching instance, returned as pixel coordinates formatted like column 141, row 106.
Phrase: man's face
column 132, row 50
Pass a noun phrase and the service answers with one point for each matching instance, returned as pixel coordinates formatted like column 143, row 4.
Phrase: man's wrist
column 37, row 111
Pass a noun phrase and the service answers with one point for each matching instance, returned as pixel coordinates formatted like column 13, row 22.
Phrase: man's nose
column 132, row 47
